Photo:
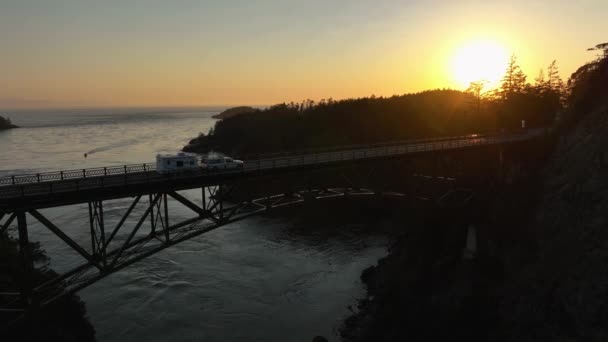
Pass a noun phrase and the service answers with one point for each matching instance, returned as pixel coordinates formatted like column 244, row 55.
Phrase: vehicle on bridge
column 221, row 163
column 170, row 163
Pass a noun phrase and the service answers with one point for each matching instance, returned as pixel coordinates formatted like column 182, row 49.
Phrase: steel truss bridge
column 225, row 197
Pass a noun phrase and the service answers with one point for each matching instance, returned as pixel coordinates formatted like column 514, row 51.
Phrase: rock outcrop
column 5, row 123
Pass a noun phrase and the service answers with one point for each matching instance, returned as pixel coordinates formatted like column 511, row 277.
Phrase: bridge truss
column 114, row 247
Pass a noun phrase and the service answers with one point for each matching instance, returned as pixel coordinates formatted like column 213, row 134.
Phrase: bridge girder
column 115, row 249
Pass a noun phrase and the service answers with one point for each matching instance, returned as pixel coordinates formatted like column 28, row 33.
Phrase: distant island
column 228, row 113
column 5, row 123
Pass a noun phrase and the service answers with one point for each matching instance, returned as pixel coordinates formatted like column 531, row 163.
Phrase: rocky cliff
column 561, row 294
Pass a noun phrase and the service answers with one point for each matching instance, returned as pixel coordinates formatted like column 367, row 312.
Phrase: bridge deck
column 79, row 186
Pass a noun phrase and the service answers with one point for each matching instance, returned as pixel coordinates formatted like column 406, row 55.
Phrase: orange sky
column 160, row 53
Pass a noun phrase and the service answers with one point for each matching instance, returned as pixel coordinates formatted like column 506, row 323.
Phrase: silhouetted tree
column 603, row 47
column 514, row 80
column 554, row 82
column 476, row 89
column 540, row 83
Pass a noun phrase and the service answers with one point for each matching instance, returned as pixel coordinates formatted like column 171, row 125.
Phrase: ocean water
column 261, row 279
column 58, row 139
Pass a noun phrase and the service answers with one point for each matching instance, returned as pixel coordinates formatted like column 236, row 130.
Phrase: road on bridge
column 30, row 186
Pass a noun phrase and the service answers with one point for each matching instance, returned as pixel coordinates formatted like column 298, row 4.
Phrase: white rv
column 169, row 163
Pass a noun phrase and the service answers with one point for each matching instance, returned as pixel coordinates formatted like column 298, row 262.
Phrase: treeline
column 517, row 99
column 428, row 114
column 285, row 127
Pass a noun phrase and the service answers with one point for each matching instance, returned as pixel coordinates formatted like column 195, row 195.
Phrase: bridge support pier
column 26, row 260
column 166, row 227
column 152, row 217
column 98, row 233
column 501, row 165
column 220, row 193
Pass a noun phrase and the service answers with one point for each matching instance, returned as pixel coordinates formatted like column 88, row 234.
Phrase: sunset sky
column 57, row 53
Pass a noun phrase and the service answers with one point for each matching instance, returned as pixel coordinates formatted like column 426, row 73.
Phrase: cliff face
column 562, row 292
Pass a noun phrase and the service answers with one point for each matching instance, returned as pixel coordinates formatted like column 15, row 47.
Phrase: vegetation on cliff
column 293, row 126
column 5, row 123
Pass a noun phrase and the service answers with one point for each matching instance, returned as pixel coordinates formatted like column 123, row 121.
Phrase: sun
column 482, row 60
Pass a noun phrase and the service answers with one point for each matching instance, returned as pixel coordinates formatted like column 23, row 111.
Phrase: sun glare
column 479, row 61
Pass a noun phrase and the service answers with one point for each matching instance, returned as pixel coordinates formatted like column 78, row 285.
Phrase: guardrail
column 83, row 179
column 321, row 149
column 135, row 168
column 75, row 174
column 344, row 155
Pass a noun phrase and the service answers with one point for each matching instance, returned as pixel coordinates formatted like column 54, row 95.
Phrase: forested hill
column 434, row 113
column 354, row 121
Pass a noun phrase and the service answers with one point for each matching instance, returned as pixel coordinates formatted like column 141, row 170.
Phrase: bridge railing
column 135, row 168
column 75, row 174
column 82, row 179
column 312, row 150
column 382, row 150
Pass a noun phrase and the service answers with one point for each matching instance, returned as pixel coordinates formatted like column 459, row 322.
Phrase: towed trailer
column 170, row 163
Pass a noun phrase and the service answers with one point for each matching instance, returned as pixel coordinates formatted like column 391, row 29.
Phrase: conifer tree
column 554, row 82
column 514, row 80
